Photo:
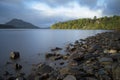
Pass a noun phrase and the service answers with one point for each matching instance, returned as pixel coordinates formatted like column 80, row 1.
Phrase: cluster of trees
column 107, row 23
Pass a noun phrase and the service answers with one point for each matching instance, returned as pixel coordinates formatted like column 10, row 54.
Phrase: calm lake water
column 31, row 42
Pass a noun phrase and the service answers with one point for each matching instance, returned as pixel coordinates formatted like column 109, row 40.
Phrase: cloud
column 112, row 7
column 47, row 12
column 71, row 10
column 89, row 3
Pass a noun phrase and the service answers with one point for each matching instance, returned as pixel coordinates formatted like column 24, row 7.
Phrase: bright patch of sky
column 70, row 10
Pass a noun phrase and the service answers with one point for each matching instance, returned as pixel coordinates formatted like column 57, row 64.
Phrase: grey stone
column 70, row 77
column 18, row 66
column 106, row 60
column 14, row 55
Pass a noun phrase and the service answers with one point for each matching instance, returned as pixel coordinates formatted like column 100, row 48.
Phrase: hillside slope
column 17, row 23
column 107, row 23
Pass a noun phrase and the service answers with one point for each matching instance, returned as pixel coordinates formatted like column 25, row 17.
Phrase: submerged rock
column 18, row 66
column 56, row 49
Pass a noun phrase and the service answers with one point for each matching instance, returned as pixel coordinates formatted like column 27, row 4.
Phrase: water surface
column 31, row 42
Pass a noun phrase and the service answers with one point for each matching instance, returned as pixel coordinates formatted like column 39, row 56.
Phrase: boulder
column 1, row 78
column 76, row 56
column 116, row 71
column 70, row 77
column 106, row 60
column 44, row 69
column 14, row 55
column 93, row 48
column 18, row 66
column 44, row 76
column 56, row 49
column 58, row 57
column 112, row 51
column 48, row 55
column 62, row 63
column 20, row 78
column 11, row 78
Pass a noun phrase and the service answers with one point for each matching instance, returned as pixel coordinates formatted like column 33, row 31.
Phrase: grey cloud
column 10, row 9
column 89, row 3
column 112, row 7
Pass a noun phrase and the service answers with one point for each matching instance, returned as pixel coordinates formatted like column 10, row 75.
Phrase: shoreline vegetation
column 94, row 58
column 104, row 23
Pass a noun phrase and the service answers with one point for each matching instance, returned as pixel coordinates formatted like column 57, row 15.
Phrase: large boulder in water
column 14, row 55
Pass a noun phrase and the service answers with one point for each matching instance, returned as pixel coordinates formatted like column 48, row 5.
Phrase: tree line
column 107, row 23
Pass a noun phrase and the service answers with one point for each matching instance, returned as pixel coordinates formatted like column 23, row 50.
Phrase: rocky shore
column 94, row 58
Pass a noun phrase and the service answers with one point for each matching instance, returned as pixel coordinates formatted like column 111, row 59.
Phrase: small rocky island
column 94, row 58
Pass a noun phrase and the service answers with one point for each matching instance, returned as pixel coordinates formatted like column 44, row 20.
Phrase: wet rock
column 21, row 75
column 20, row 78
column 11, row 78
column 60, row 77
column 58, row 57
column 56, row 49
column 31, row 76
column 116, row 71
column 44, row 76
column 93, row 48
column 116, row 57
column 6, row 73
column 106, row 51
column 73, row 63
column 112, row 51
column 90, row 78
column 62, row 63
column 18, row 66
column 106, row 60
column 65, row 57
column 101, row 72
column 70, row 70
column 1, row 78
column 70, row 77
column 69, row 47
column 72, row 49
column 77, row 56
column 8, row 63
column 48, row 55
column 64, row 71
column 14, row 55
column 54, row 56
column 44, row 69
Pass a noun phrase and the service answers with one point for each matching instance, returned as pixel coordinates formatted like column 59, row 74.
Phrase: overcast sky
column 46, row 12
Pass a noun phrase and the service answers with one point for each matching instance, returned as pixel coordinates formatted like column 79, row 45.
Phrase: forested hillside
column 107, row 23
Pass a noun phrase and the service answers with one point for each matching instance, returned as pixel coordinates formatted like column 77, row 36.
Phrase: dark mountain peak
column 18, row 23
column 16, row 20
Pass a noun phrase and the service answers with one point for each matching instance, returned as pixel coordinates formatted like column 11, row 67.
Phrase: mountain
column 19, row 24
